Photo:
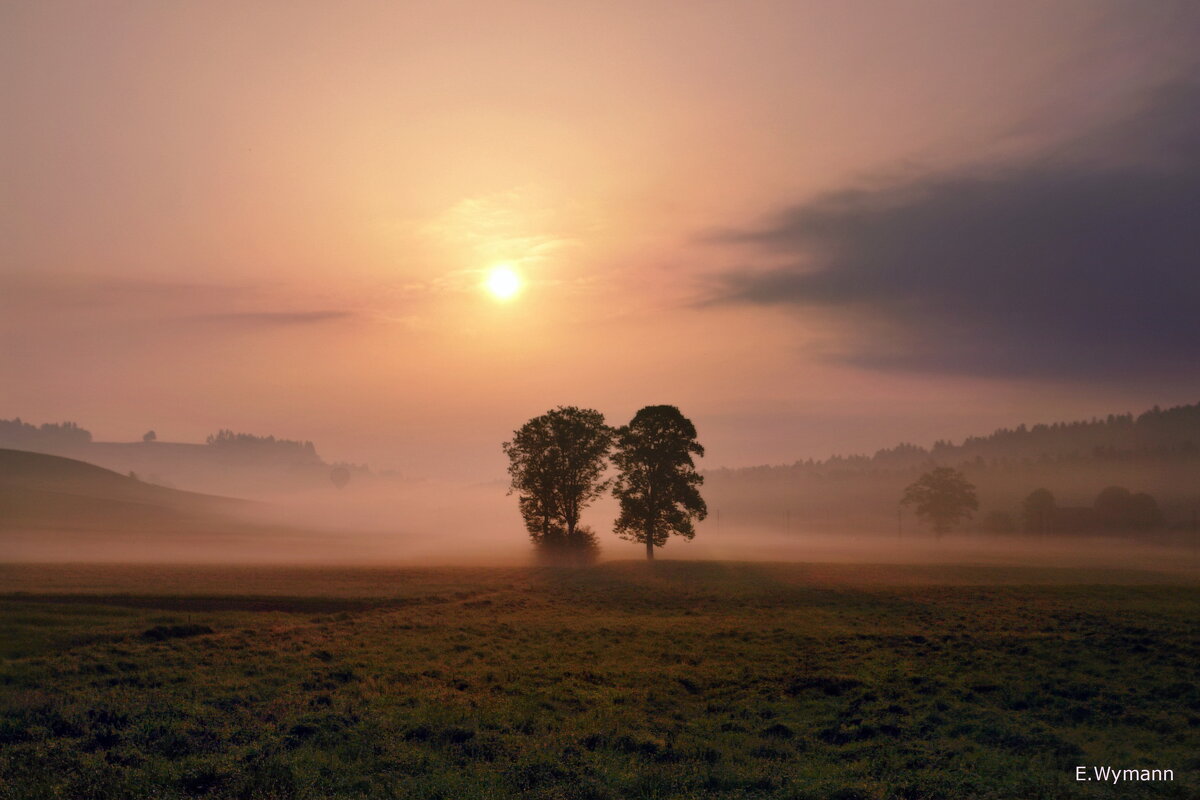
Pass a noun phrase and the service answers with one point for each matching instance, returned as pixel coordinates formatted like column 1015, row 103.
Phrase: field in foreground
column 629, row 680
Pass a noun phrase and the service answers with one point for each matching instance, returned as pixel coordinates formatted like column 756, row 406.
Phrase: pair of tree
column 558, row 461
column 943, row 497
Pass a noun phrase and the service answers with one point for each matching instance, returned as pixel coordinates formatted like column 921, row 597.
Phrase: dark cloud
column 1081, row 263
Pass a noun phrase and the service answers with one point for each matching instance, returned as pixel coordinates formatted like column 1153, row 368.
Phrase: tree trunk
column 649, row 549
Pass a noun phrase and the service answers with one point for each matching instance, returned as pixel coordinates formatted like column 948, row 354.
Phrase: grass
column 671, row 680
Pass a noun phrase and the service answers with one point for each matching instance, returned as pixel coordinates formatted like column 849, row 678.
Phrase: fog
column 387, row 523
column 254, row 500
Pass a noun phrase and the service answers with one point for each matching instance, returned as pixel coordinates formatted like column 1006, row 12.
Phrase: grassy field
column 628, row 680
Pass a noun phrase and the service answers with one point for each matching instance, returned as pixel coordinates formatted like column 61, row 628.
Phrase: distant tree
column 247, row 444
column 22, row 435
column 943, row 497
column 557, row 463
column 1144, row 513
column 1112, row 507
column 1038, row 510
column 149, row 436
column 339, row 476
column 1118, row 509
column 999, row 522
column 657, row 483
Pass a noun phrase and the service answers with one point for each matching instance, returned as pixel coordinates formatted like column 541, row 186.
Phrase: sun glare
column 503, row 282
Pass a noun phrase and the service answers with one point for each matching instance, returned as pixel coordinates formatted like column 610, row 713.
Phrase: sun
column 503, row 282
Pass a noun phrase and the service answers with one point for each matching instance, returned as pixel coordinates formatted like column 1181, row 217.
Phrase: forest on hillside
column 1155, row 453
column 1158, row 434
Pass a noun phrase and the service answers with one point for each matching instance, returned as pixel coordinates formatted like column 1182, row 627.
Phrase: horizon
column 868, row 454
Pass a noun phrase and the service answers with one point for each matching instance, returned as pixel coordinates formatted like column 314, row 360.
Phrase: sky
column 816, row 227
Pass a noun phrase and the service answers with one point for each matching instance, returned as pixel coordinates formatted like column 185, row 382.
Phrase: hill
column 227, row 462
column 1172, row 433
column 1157, row 452
column 39, row 491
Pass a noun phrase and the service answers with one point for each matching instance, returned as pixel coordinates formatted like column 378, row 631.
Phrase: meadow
column 626, row 680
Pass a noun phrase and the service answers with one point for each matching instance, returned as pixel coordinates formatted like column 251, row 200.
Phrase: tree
column 1118, row 509
column 943, row 497
column 560, row 549
column 150, row 436
column 339, row 476
column 557, row 463
column 1144, row 513
column 1038, row 511
column 657, row 483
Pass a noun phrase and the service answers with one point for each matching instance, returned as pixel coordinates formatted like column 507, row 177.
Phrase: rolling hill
column 40, row 491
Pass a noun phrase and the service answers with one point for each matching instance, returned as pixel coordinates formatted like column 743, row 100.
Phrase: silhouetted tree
column 657, row 483
column 1144, row 513
column 1118, row 509
column 247, row 444
column 943, row 497
column 1112, row 507
column 149, row 436
column 557, row 462
column 1038, row 510
column 23, row 435
column 339, row 476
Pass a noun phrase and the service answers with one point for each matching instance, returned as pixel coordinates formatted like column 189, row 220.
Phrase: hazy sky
column 815, row 227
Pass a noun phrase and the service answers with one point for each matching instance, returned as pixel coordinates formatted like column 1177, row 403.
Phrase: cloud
column 63, row 291
column 1080, row 263
column 270, row 318
column 122, row 303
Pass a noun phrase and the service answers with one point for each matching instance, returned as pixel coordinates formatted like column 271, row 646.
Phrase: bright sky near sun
column 503, row 282
column 402, row 229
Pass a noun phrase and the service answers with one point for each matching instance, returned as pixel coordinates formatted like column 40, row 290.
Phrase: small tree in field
column 1038, row 511
column 657, row 483
column 943, row 497
column 557, row 463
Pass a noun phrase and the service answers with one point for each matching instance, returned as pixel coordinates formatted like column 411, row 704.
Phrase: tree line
column 1157, row 434
column 558, row 463
column 18, row 434
column 1115, row 509
column 228, row 439
column 944, row 498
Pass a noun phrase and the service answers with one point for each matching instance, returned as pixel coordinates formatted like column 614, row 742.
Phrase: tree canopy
column 657, row 484
column 557, row 463
column 1038, row 511
column 1119, row 509
column 942, row 497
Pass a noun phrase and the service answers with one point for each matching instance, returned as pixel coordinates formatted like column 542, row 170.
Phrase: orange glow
column 503, row 282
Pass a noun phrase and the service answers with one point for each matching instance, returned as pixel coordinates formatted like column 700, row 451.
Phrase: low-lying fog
column 424, row 522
